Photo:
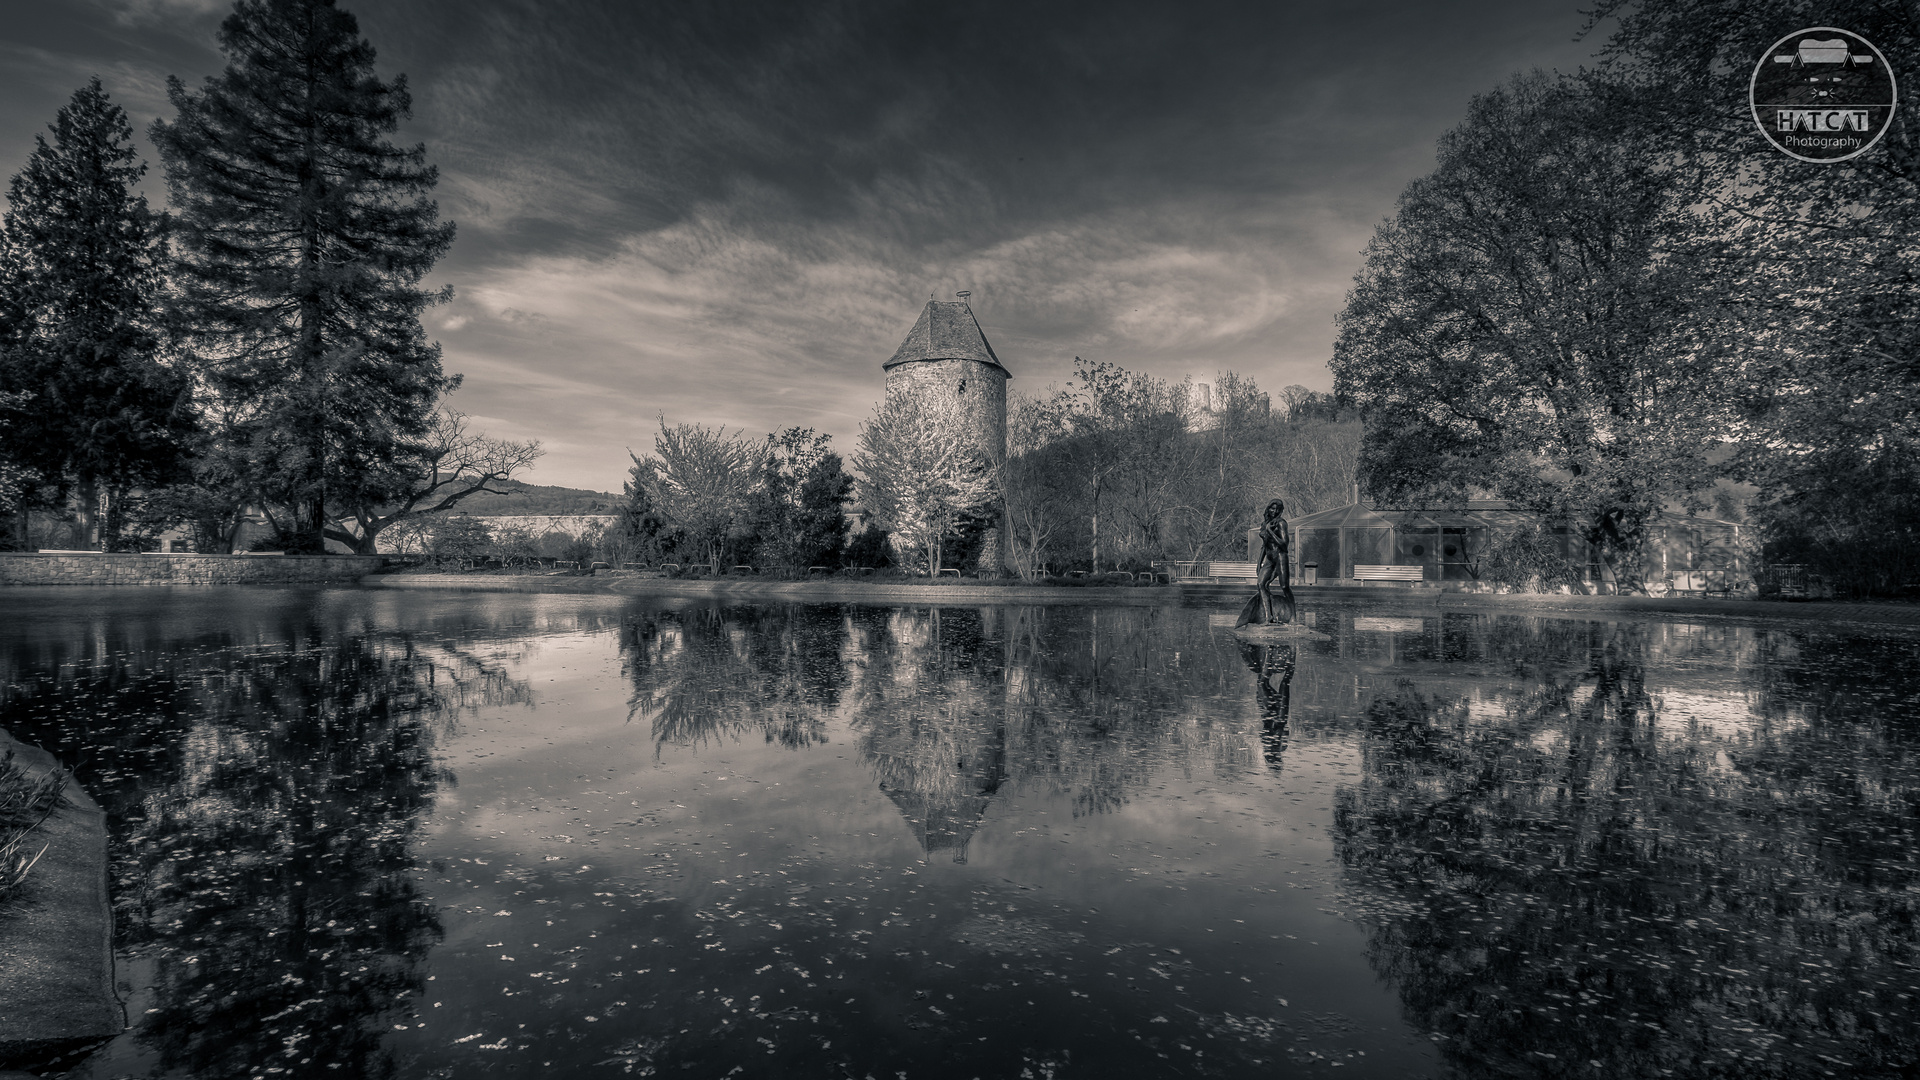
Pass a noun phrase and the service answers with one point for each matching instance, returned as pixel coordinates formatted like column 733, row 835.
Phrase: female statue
column 1274, row 542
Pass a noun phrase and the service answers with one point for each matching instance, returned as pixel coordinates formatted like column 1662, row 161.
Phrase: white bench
column 1365, row 572
column 1232, row 571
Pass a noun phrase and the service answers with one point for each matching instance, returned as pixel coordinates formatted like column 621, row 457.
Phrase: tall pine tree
column 303, row 235
column 94, row 415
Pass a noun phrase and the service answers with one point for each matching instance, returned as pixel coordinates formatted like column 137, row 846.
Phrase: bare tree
column 449, row 463
column 1029, row 485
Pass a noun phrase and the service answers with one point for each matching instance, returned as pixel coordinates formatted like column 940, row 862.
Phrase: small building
column 1682, row 553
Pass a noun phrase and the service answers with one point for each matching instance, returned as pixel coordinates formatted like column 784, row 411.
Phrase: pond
column 394, row 834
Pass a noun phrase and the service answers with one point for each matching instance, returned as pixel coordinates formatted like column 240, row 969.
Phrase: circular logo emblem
column 1822, row 94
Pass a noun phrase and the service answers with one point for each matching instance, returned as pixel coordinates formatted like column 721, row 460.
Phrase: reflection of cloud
column 1731, row 716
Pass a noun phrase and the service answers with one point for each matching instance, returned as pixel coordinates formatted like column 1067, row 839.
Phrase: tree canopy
column 95, row 410
column 1819, row 279
column 1530, row 323
column 303, row 236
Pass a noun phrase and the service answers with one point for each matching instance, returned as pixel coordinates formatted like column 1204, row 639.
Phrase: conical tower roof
column 946, row 330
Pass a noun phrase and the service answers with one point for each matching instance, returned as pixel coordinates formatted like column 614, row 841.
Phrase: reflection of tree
column 1272, row 667
column 701, row 674
column 262, row 798
column 950, row 704
column 953, row 704
column 1564, row 880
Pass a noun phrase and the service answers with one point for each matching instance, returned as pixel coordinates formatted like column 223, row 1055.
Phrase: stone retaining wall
column 44, row 568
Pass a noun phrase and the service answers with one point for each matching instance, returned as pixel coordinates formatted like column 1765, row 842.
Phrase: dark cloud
column 731, row 212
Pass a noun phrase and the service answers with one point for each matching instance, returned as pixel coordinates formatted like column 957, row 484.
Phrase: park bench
column 744, row 569
column 1230, row 571
column 1366, row 572
column 945, row 570
column 812, row 570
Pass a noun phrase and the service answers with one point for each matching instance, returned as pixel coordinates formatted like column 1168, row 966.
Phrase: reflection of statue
column 1272, row 666
column 1262, row 609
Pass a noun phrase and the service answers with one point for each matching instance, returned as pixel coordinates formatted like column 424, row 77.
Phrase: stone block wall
column 41, row 568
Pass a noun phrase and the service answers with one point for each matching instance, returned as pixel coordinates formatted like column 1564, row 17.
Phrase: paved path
column 1886, row 613
column 1889, row 612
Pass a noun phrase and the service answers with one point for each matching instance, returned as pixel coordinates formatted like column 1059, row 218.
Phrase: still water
column 367, row 833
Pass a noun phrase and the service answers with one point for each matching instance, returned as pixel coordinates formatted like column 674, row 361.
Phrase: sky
column 731, row 213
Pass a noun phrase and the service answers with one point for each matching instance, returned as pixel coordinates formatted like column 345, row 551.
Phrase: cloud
column 139, row 13
column 732, row 213
column 759, row 326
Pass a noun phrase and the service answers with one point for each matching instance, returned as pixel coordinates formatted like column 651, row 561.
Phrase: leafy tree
column 303, row 235
column 1821, row 271
column 1529, row 322
column 430, row 474
column 514, row 545
column 639, row 533
column 700, row 479
column 81, row 278
column 14, row 478
column 922, row 481
column 798, row 504
column 459, row 540
column 871, row 548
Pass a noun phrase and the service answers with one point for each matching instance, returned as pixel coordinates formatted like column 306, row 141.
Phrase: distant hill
column 525, row 499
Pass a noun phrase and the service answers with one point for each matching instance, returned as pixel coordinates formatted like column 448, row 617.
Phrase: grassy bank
column 26, row 801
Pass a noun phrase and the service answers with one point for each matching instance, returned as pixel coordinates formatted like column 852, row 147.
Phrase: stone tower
column 947, row 365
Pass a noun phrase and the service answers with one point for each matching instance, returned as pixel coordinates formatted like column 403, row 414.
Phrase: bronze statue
column 1263, row 609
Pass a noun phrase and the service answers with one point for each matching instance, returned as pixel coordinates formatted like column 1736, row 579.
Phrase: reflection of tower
column 948, row 367
column 942, row 771
column 935, row 726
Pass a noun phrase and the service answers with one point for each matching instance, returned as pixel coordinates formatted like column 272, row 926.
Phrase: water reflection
column 951, row 704
column 264, row 785
column 1272, row 667
column 702, row 674
column 794, row 839
column 1610, row 866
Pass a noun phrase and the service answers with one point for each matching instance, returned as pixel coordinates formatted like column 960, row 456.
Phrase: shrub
column 1529, row 558
column 25, row 802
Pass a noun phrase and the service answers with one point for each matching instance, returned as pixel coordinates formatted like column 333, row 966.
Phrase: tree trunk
column 1097, row 478
column 88, row 498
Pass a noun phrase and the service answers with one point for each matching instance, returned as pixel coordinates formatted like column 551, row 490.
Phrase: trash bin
column 1310, row 573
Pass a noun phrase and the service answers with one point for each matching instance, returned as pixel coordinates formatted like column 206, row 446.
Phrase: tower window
column 963, row 386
